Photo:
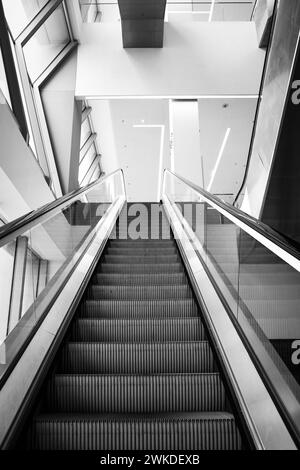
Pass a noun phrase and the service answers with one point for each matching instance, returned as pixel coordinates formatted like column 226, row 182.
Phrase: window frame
column 32, row 91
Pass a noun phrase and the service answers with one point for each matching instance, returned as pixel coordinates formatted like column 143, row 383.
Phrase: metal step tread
column 118, row 417
column 137, row 259
column 133, row 330
column 160, row 279
column 185, row 308
column 141, row 251
column 141, row 243
column 137, row 358
column 140, row 268
column 139, row 292
column 180, row 431
column 136, row 393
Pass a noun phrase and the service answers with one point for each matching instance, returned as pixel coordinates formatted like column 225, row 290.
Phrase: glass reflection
column 19, row 13
column 47, row 43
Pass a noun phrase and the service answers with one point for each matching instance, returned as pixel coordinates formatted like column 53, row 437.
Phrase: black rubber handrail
column 33, row 216
column 283, row 242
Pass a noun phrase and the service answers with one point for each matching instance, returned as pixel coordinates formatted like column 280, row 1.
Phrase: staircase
column 136, row 370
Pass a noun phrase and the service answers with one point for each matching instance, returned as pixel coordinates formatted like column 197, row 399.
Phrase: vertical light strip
column 171, row 126
column 161, row 161
column 226, row 137
column 211, row 11
column 161, row 153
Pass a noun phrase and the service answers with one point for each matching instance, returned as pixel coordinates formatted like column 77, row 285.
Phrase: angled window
column 3, row 81
column 19, row 13
column 85, row 132
column 45, row 45
column 86, row 163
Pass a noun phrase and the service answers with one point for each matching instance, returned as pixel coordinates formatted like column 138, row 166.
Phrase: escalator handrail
column 8, row 230
column 292, row 248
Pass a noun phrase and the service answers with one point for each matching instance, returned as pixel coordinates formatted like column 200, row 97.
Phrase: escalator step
column 138, row 330
column 140, row 268
column 135, row 394
column 119, row 259
column 144, row 251
column 194, row 431
column 141, row 279
column 137, row 358
column 135, row 371
column 141, row 243
column 185, row 308
column 139, row 292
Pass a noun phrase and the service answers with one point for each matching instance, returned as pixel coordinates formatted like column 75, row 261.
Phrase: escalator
column 146, row 326
column 136, row 370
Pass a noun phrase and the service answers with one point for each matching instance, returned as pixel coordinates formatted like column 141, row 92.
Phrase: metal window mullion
column 28, row 94
column 55, row 63
column 49, row 155
column 86, row 147
column 37, row 22
column 91, row 169
column 18, row 281
column 96, row 169
column 85, row 114
column 67, row 16
column 95, row 154
column 93, row 132
column 95, row 142
column 42, row 276
column 37, row 115
column 11, row 75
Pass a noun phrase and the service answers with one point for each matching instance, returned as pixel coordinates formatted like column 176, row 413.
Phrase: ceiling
column 130, row 136
column 133, row 135
column 184, row 10
column 131, row 130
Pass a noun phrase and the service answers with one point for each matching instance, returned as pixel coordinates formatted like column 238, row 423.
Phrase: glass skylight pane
column 3, row 81
column 47, row 43
column 85, row 132
column 19, row 13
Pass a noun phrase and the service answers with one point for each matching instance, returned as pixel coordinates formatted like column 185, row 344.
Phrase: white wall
column 22, row 184
column 214, row 120
column 135, row 149
column 63, row 116
column 197, row 59
column 103, row 124
column 186, row 159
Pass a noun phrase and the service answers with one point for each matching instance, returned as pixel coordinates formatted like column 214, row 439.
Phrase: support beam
column 142, row 22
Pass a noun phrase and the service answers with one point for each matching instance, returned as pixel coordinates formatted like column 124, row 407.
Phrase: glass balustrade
column 258, row 281
column 36, row 261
